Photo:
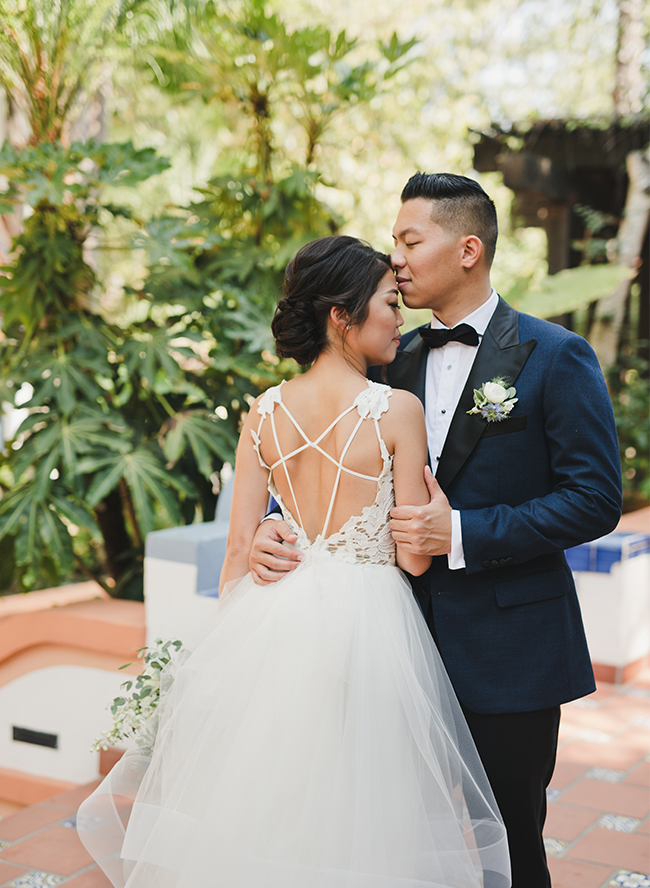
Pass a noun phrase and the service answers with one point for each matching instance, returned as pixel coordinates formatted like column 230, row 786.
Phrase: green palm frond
column 201, row 433
column 147, row 479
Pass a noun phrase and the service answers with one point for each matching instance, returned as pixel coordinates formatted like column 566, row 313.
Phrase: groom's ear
column 472, row 250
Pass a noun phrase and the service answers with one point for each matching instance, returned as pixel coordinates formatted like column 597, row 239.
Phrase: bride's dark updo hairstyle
column 337, row 271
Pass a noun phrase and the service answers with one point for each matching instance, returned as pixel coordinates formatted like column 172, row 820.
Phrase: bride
column 311, row 738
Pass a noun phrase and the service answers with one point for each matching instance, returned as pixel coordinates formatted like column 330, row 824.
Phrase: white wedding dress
column 311, row 738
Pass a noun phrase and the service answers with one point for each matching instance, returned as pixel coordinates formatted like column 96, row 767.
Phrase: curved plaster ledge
column 60, row 650
column 71, row 625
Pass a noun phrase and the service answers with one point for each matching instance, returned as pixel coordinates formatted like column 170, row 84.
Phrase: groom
column 514, row 487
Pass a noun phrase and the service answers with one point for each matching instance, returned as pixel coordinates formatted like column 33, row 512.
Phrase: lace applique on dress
column 364, row 538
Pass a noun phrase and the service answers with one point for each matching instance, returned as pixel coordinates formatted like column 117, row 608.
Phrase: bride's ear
column 339, row 318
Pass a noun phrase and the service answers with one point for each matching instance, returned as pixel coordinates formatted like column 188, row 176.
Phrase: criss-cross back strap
column 338, row 475
column 315, row 445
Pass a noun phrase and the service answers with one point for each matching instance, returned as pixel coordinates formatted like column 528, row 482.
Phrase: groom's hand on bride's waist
column 424, row 530
column 270, row 559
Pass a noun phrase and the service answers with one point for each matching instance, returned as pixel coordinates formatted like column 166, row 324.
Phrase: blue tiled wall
column 599, row 555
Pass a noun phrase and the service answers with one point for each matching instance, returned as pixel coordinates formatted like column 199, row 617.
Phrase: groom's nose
column 396, row 259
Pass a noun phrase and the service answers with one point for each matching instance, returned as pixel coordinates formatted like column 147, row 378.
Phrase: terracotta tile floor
column 597, row 830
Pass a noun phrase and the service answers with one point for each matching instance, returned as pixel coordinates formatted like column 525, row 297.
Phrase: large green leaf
column 203, row 434
column 62, row 440
column 50, row 172
column 148, row 351
column 60, row 378
column 252, row 324
column 35, row 522
column 570, row 290
column 123, row 164
column 75, row 512
column 147, row 478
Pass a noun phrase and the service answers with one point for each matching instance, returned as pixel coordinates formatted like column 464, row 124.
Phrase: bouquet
column 133, row 711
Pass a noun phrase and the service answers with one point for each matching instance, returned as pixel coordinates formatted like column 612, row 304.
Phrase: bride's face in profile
column 377, row 338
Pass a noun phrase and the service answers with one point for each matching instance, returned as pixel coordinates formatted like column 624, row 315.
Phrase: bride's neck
column 337, row 366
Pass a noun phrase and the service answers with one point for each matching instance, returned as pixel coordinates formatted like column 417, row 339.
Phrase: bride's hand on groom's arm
column 269, row 558
column 424, row 530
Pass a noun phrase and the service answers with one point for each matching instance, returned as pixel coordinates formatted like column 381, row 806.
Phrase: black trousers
column 518, row 752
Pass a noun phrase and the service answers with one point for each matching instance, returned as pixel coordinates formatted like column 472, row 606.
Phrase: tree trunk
column 14, row 128
column 628, row 89
column 557, row 226
column 610, row 312
column 117, row 542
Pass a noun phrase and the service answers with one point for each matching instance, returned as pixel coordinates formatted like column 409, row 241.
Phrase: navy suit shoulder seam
column 554, row 332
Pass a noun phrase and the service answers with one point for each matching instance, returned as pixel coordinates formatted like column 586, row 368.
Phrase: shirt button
column 443, row 411
column 437, row 457
column 448, row 366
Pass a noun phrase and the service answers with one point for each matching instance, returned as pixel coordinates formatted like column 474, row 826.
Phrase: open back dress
column 309, row 738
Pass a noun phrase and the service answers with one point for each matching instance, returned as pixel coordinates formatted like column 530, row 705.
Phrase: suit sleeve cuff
column 456, row 558
column 277, row 516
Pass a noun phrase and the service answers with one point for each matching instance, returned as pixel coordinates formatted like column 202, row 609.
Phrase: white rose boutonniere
column 494, row 400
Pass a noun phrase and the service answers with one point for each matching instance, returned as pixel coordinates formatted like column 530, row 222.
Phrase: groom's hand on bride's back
column 270, row 559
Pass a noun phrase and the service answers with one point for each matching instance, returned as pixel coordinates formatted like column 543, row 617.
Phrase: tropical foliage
column 132, row 413
column 53, row 56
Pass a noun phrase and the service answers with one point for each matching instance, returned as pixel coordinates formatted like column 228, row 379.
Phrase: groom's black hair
column 460, row 205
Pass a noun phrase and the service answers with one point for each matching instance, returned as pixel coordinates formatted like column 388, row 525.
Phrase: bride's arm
column 249, row 499
column 407, row 430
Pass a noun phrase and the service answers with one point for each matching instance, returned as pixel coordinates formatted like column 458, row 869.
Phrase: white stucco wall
column 70, row 701
column 616, row 611
column 173, row 608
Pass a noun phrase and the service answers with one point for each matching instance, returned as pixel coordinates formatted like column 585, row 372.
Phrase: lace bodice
column 363, row 538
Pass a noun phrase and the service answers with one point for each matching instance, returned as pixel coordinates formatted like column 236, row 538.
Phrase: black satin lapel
column 504, row 325
column 500, row 354
column 408, row 370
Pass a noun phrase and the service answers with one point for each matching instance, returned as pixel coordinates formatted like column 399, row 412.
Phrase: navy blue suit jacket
column 508, row 627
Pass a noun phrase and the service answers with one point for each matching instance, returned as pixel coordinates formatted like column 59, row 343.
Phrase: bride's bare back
column 326, row 458
column 315, row 400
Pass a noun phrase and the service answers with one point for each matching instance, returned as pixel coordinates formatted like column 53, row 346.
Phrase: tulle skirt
column 310, row 739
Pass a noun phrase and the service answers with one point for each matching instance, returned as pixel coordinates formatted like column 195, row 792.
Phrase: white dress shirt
column 447, row 370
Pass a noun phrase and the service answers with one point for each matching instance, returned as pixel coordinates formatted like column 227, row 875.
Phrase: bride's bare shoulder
column 404, row 405
column 404, row 421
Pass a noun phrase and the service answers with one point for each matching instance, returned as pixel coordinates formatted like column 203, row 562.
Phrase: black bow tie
column 437, row 338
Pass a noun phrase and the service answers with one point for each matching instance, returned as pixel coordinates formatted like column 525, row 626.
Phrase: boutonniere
column 494, row 400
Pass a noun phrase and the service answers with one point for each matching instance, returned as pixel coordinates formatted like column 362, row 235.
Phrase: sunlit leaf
column 149, row 351
column 570, row 290
column 203, row 434
column 146, row 477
